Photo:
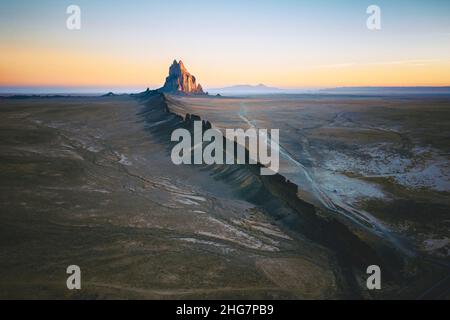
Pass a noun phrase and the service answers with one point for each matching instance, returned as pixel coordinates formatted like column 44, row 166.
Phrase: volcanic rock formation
column 181, row 81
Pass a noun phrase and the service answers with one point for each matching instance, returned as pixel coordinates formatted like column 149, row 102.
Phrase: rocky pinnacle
column 181, row 81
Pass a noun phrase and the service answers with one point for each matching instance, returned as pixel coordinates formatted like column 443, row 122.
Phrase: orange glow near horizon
column 280, row 43
column 23, row 66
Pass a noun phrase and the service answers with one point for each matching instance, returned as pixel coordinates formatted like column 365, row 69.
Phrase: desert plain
column 88, row 181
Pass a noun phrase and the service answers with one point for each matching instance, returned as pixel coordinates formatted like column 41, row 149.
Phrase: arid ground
column 89, row 181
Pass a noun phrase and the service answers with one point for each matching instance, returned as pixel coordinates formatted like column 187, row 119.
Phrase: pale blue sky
column 239, row 38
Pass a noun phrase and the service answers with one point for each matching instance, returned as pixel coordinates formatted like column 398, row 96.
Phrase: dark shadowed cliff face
column 181, row 81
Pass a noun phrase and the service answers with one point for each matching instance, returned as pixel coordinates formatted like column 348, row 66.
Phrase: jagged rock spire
column 180, row 80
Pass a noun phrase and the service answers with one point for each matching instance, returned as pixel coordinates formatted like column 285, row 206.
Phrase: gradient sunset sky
column 290, row 44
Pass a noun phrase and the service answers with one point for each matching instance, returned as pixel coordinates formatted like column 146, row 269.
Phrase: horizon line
column 155, row 87
column 299, row 90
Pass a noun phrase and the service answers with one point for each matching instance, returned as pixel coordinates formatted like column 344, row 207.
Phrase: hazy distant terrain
column 388, row 91
column 89, row 181
column 245, row 89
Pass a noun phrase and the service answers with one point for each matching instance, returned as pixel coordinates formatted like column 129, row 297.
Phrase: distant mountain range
column 386, row 90
column 263, row 89
column 246, row 89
